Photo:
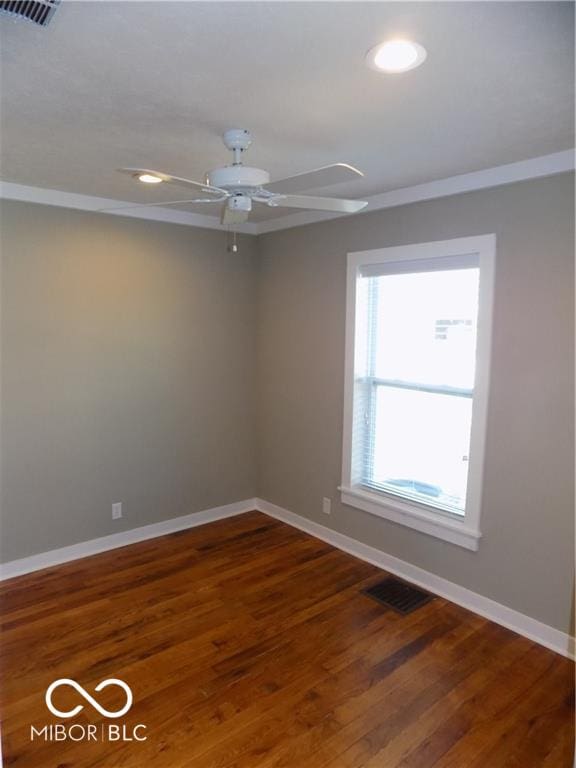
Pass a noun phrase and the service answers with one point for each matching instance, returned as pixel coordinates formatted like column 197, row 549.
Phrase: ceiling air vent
column 38, row 11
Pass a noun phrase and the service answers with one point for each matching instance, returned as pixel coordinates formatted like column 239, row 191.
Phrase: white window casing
column 424, row 515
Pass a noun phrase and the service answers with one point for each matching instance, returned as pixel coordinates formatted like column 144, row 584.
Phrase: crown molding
column 42, row 196
column 536, row 167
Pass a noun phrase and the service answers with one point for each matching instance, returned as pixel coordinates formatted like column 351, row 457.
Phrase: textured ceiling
column 154, row 84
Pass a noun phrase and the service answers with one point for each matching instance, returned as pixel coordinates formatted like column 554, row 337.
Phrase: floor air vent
column 38, row 11
column 396, row 594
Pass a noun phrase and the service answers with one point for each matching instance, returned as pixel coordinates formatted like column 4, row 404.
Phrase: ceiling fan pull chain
column 232, row 247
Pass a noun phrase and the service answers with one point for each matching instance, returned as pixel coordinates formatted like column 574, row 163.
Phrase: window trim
column 463, row 531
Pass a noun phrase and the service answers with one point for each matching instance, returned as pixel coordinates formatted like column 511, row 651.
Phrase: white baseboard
column 518, row 622
column 94, row 546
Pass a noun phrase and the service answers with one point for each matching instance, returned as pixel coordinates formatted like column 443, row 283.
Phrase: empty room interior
column 287, row 384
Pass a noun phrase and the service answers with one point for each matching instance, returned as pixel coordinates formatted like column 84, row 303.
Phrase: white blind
column 414, row 378
column 408, row 266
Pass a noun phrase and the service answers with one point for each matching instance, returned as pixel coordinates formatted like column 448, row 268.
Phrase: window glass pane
column 420, row 444
column 415, row 339
column 425, row 327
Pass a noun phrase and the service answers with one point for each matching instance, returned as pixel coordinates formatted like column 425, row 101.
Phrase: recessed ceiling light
column 395, row 56
column 147, row 178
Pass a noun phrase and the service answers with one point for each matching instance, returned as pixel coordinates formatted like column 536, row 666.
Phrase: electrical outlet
column 116, row 510
column 326, row 505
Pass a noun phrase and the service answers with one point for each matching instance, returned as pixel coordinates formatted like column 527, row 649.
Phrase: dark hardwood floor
column 247, row 644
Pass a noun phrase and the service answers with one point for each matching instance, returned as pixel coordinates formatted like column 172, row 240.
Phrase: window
column 418, row 335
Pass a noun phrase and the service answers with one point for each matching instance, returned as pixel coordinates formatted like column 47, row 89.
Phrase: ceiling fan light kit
column 238, row 186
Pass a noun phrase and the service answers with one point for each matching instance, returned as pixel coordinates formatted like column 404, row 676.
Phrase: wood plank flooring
column 247, row 644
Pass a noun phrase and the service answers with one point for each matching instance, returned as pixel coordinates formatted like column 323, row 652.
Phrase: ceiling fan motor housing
column 239, row 178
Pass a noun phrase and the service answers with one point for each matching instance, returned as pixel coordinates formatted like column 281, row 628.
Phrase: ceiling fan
column 237, row 186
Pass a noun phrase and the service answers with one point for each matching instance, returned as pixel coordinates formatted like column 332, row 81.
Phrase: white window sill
column 415, row 516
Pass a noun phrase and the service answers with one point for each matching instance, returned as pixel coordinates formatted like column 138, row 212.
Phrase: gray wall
column 525, row 559
column 128, row 357
column 142, row 363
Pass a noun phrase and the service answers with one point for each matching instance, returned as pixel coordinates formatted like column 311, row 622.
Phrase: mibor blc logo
column 90, row 732
column 82, row 691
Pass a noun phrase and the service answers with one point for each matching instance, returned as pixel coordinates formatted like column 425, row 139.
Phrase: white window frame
column 461, row 530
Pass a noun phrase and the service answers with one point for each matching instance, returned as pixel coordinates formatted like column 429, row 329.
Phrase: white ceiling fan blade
column 178, row 180
column 233, row 216
column 318, row 203
column 159, row 205
column 320, row 177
